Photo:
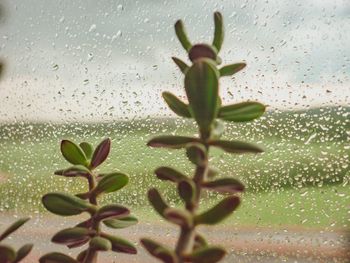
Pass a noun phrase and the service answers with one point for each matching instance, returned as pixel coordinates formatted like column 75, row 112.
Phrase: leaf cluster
column 7, row 253
column 84, row 160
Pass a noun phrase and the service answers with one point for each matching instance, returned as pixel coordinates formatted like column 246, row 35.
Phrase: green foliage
column 7, row 253
column 85, row 159
column 204, row 106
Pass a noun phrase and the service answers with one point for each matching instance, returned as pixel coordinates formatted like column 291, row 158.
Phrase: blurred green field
column 301, row 179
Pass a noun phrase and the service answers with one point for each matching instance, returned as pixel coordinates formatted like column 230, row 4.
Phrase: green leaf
column 176, row 105
column 219, row 31
column 157, row 201
column 182, row 36
column 121, row 222
column 231, row 69
column 173, row 142
column 76, row 170
column 7, row 254
column 201, row 51
column 199, row 242
column 87, row 148
column 179, row 217
column 73, row 153
column 182, row 65
column 159, row 251
column 23, row 252
column 111, row 211
column 72, row 236
column 206, row 255
column 100, row 244
column 219, row 212
column 121, row 245
column 101, row 153
column 65, row 204
column 170, row 174
column 241, row 112
column 111, row 182
column 236, row 146
column 12, row 228
column 56, row 257
column 81, row 256
column 187, row 191
column 225, row 185
column 196, row 153
column 202, row 88
column 212, row 172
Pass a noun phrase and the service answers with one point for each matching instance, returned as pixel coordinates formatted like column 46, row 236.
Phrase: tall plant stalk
column 85, row 159
column 204, row 106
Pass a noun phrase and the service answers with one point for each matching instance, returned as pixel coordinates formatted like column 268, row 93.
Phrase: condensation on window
column 87, row 70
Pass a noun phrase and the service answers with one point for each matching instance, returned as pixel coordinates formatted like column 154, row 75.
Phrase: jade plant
column 7, row 253
column 205, row 107
column 85, row 159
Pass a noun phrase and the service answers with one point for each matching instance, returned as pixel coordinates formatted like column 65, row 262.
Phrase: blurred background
column 86, row 70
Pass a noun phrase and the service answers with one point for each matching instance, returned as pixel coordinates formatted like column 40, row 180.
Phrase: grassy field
column 301, row 179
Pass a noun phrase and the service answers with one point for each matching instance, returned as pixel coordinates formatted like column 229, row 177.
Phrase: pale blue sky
column 101, row 60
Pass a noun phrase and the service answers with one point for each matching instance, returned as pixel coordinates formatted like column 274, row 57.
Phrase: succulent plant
column 7, row 253
column 85, row 159
column 204, row 106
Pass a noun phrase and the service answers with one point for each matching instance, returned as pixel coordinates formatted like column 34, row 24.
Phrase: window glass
column 87, row 70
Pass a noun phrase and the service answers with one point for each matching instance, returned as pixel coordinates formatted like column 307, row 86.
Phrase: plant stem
column 91, row 255
column 185, row 242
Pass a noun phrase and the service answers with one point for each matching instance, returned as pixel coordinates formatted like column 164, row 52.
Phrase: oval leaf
column 199, row 242
column 73, row 153
column 23, row 252
column 196, row 153
column 206, row 255
column 182, row 36
column 179, row 217
column 76, row 170
column 159, row 251
column 173, row 142
column 111, row 211
column 177, row 106
column 219, row 212
column 187, row 191
column 12, row 228
column 236, row 146
column 157, row 201
column 245, row 111
column 170, row 174
column 202, row 87
column 56, row 257
column 100, row 244
column 219, row 31
column 225, row 185
column 7, row 254
column 111, row 183
column 71, row 236
column 87, row 148
column 182, row 65
column 121, row 222
column 101, row 153
column 231, row 69
column 64, row 204
column 121, row 245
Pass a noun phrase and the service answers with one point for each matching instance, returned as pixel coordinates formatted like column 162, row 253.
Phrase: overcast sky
column 101, row 60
